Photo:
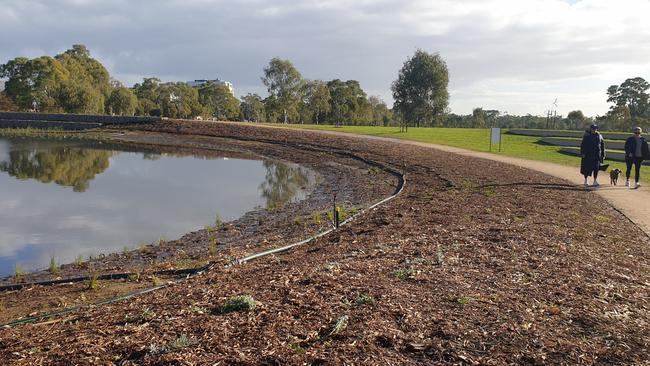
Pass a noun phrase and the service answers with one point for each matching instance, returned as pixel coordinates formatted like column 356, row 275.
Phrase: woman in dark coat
column 636, row 150
column 592, row 151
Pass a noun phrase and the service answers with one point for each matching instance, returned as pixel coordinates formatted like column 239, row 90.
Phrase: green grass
column 525, row 147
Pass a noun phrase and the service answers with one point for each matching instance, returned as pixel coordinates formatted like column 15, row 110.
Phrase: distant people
column 592, row 150
column 636, row 150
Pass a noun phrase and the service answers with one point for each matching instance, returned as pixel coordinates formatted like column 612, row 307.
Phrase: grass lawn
column 526, row 147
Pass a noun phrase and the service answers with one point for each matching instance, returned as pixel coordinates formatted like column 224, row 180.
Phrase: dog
column 614, row 174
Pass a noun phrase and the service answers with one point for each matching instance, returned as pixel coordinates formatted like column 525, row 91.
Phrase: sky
column 516, row 56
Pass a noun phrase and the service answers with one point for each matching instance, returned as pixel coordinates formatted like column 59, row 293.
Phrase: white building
column 199, row 83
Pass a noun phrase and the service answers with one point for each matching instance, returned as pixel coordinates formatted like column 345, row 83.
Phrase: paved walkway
column 633, row 203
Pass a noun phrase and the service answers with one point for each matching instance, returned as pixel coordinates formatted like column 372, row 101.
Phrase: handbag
column 603, row 167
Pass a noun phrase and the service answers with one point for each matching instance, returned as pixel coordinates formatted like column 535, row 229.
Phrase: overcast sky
column 511, row 55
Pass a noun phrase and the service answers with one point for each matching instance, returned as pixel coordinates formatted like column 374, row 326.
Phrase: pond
column 64, row 199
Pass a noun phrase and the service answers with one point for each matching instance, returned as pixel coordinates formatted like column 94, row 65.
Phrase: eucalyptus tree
column 316, row 99
column 284, row 84
column 420, row 91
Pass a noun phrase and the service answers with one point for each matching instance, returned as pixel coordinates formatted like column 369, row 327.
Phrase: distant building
column 199, row 83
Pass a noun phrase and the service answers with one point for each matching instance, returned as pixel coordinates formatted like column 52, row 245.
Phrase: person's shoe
column 586, row 184
column 627, row 183
column 595, row 184
column 637, row 185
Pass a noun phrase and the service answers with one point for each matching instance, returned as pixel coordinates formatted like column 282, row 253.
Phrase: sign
column 495, row 137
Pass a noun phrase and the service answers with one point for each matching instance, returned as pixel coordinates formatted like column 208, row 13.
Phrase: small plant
column 162, row 241
column 464, row 300
column 93, row 282
column 374, row 170
column 218, row 222
column 156, row 281
column 237, row 303
column 147, row 315
column 178, row 344
column 19, row 271
column 330, row 216
column 403, row 273
column 342, row 213
column 54, row 266
column 212, row 247
column 440, row 255
column 134, row 277
column 316, row 218
column 489, row 193
column 143, row 248
column 297, row 220
column 79, row 261
column 364, row 299
column 353, row 211
column 230, row 258
column 125, row 250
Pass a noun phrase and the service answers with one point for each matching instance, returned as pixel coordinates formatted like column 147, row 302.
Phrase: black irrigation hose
column 110, row 276
column 198, row 271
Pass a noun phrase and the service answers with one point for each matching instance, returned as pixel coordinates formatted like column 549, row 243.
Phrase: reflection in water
column 137, row 198
column 67, row 166
column 282, row 183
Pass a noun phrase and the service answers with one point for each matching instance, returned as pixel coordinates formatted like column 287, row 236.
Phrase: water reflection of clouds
column 135, row 200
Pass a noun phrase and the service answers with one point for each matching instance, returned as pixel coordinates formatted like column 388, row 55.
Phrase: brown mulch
column 476, row 262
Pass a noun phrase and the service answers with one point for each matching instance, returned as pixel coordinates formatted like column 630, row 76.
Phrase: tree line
column 74, row 82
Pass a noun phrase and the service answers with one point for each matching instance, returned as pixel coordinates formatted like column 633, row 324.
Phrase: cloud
column 495, row 49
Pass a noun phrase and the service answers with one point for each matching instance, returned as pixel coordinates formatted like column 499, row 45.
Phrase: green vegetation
column 420, row 91
column 54, row 266
column 19, row 271
column 237, row 303
column 79, row 261
column 526, row 147
column 364, row 299
column 403, row 273
column 93, row 282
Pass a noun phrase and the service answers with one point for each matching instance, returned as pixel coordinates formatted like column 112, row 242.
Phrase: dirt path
column 633, row 203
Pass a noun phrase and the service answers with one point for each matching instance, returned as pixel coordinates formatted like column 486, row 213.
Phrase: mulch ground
column 476, row 262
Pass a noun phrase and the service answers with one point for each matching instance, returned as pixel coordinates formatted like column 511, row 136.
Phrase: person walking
column 592, row 150
column 636, row 150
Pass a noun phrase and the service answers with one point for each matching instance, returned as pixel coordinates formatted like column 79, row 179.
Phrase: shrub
column 237, row 303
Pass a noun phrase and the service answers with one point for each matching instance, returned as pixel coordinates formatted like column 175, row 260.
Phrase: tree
column 349, row 102
column 122, row 102
column 420, row 91
column 179, row 100
column 218, row 102
column 576, row 119
column 283, row 82
column 381, row 115
column 6, row 104
column 478, row 118
column 316, row 98
column 252, row 108
column 633, row 94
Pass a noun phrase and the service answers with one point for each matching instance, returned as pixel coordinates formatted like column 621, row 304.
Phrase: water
column 63, row 199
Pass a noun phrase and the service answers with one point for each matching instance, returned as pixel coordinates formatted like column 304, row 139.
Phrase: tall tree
column 283, row 82
column 218, row 102
column 420, row 91
column 576, row 119
column 349, row 102
column 179, row 100
column 632, row 93
column 122, row 102
column 381, row 115
column 478, row 118
column 252, row 108
column 317, row 99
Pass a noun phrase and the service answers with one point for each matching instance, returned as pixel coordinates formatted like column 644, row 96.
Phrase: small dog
column 614, row 174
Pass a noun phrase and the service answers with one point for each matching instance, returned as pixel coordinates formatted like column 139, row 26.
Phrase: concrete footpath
column 633, row 203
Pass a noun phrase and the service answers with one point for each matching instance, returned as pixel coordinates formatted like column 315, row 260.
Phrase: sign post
column 495, row 137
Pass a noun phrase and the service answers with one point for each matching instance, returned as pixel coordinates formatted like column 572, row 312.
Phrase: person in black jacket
column 592, row 150
column 636, row 150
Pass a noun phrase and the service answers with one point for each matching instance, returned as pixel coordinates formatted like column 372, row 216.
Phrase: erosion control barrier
column 67, row 121
column 201, row 270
